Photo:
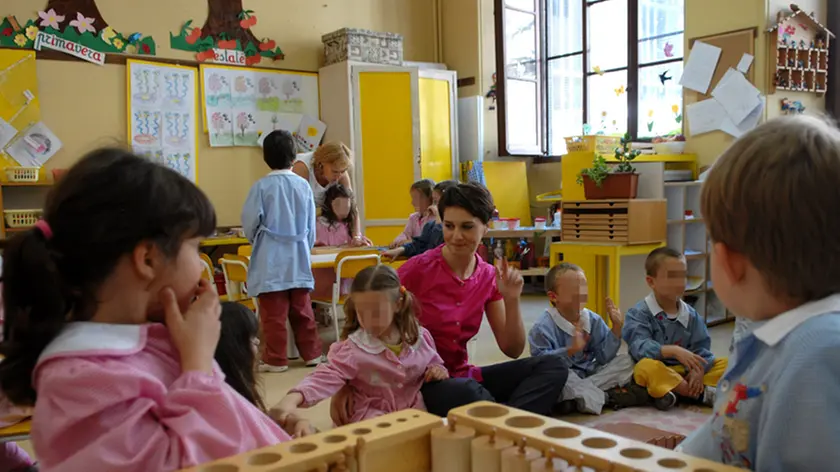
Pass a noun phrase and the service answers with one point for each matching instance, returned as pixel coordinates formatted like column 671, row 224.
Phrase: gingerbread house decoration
column 801, row 45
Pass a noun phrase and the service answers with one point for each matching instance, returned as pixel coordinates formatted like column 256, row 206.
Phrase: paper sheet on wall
column 751, row 121
column 701, row 65
column 705, row 116
column 737, row 95
column 7, row 133
column 745, row 63
column 34, row 146
column 309, row 134
column 163, row 115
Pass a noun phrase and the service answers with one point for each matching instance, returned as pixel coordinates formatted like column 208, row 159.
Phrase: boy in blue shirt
column 279, row 220
column 583, row 340
column 770, row 204
column 667, row 338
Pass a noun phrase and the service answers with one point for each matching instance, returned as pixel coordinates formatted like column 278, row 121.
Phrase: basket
column 22, row 174
column 22, row 218
column 597, row 143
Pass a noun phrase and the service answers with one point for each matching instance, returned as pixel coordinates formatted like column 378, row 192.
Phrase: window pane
column 607, row 34
column 522, row 131
column 661, row 24
column 520, row 44
column 565, row 101
column 565, row 27
column 527, row 5
column 608, row 103
column 660, row 105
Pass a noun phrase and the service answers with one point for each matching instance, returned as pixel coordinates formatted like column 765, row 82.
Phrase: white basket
column 22, row 218
column 22, row 174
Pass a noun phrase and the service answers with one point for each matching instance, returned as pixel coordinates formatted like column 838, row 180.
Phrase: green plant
column 624, row 155
column 597, row 173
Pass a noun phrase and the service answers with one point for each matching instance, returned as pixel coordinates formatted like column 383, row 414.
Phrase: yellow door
column 387, row 148
column 436, row 125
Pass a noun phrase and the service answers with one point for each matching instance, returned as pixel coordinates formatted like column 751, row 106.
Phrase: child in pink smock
column 421, row 200
column 384, row 356
column 335, row 229
column 109, row 321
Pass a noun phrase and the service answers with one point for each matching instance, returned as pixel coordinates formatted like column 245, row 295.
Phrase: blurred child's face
column 462, row 232
column 181, row 273
column 375, row 310
column 571, row 292
column 333, row 172
column 419, row 201
column 436, row 196
column 341, row 208
column 670, row 279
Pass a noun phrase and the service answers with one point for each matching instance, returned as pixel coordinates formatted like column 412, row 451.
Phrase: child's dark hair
column 443, row 185
column 106, row 204
column 279, row 150
column 235, row 351
column 383, row 278
column 474, row 198
column 425, row 187
column 557, row 271
column 657, row 256
column 339, row 191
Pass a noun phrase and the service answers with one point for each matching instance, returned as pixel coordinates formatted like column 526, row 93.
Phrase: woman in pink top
column 109, row 321
column 455, row 288
column 421, row 200
column 384, row 356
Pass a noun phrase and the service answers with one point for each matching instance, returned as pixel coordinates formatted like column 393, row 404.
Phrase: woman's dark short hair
column 473, row 197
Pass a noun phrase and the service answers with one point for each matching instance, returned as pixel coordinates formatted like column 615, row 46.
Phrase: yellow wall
column 85, row 104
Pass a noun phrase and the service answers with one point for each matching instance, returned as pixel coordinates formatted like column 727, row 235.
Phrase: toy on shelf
column 790, row 107
column 481, row 436
column 801, row 54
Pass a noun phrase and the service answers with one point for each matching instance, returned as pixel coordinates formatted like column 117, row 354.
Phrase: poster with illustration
column 163, row 114
column 309, row 134
column 242, row 103
column 34, row 146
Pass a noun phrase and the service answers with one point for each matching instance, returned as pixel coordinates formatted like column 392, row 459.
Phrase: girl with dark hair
column 454, row 288
column 237, row 351
column 384, row 356
column 110, row 330
column 336, row 225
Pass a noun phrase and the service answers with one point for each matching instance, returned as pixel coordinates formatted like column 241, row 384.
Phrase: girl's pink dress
column 333, row 235
column 113, row 397
column 379, row 382
column 413, row 228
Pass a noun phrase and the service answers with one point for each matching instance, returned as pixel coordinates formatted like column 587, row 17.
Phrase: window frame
column 543, row 66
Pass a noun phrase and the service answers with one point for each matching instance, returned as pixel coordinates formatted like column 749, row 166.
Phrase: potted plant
column 602, row 183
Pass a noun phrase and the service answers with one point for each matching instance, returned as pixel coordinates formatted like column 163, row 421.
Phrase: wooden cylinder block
column 487, row 453
column 451, row 448
column 519, row 458
column 556, row 465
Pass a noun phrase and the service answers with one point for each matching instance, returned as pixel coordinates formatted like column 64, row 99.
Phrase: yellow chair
column 347, row 265
column 245, row 250
column 16, row 432
column 207, row 273
column 235, row 269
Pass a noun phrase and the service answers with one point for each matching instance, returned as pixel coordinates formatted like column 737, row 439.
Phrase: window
column 613, row 65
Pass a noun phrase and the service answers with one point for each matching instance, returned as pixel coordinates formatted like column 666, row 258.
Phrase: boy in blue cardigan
column 667, row 338
column 770, row 204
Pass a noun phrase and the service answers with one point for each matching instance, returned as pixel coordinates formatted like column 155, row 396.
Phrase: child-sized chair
column 207, row 273
column 245, row 250
column 347, row 265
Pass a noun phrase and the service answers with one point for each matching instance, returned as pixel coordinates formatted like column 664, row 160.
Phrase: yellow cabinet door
column 438, row 129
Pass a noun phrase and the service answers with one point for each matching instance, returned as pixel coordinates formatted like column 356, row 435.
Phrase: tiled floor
column 487, row 352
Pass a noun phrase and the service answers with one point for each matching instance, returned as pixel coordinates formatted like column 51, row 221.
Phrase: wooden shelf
column 27, row 184
column 524, row 233
column 534, row 271
column 18, row 230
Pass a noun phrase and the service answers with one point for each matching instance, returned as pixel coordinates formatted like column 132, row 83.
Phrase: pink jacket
column 113, row 397
column 379, row 381
column 413, row 228
column 327, row 234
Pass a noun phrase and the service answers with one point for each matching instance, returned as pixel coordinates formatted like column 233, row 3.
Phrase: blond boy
column 770, row 204
column 667, row 338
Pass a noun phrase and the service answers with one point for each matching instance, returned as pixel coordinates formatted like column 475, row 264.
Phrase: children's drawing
column 243, row 91
column 181, row 163
column 145, row 128
column 178, row 88
column 154, row 155
column 290, row 96
column 145, row 84
column 221, row 129
column 217, row 93
column 246, row 133
column 268, row 99
column 177, row 129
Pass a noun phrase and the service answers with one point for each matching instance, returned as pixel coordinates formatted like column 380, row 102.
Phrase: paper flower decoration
column 20, row 40
column 83, row 24
column 50, row 18
column 32, row 32
column 118, row 43
column 108, row 34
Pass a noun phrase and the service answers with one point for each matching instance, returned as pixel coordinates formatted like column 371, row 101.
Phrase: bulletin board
column 240, row 103
column 19, row 105
column 733, row 45
column 163, row 113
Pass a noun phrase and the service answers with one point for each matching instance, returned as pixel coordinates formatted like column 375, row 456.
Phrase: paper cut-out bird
column 664, row 77
column 134, row 38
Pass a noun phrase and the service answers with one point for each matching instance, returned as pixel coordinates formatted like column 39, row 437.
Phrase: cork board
column 732, row 46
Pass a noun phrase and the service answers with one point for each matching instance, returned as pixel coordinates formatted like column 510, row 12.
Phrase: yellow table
column 223, row 241
column 594, row 259
column 16, row 432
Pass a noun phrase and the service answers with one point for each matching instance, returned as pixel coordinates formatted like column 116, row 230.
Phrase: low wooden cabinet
column 637, row 221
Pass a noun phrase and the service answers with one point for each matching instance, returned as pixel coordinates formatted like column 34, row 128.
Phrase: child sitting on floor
column 421, row 200
column 770, row 207
column 432, row 234
column 237, row 351
column 667, row 338
column 588, row 345
column 384, row 355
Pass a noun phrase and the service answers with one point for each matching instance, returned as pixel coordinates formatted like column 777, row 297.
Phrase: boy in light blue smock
column 770, row 204
column 588, row 346
column 279, row 221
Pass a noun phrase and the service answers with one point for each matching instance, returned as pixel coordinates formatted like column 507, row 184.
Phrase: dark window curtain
column 832, row 96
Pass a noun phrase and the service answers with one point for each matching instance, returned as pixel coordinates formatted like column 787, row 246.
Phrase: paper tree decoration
column 228, row 26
